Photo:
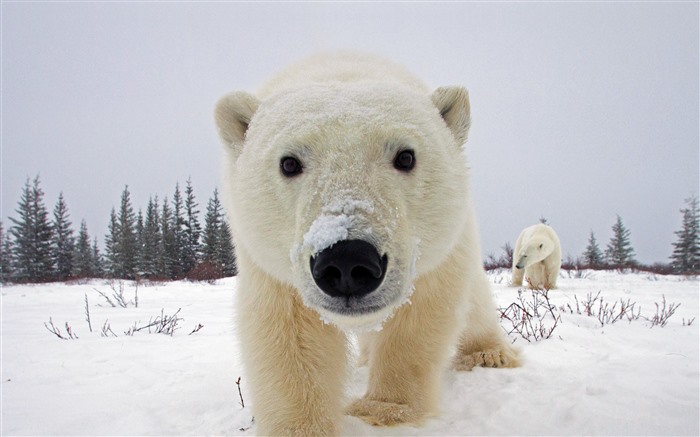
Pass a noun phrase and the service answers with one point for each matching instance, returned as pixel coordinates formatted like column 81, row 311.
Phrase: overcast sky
column 581, row 111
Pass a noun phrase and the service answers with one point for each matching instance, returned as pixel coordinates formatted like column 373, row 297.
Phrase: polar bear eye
column 290, row 166
column 405, row 160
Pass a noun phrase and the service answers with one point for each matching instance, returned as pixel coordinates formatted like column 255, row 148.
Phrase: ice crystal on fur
column 327, row 230
column 335, row 223
column 348, row 205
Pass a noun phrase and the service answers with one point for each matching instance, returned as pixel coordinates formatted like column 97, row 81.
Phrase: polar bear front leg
column 536, row 275
column 517, row 278
column 552, row 270
column 483, row 342
column 295, row 364
column 406, row 360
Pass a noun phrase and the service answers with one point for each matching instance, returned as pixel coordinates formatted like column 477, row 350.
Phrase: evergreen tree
column 192, row 230
column 593, row 257
column 128, row 249
column 150, row 241
column 97, row 261
column 168, row 249
column 83, row 263
column 121, row 242
column 138, row 231
column 227, row 253
column 686, row 250
column 217, row 247
column 63, row 243
column 32, row 234
column 5, row 255
column 211, row 237
column 619, row 253
column 111, row 261
column 179, row 237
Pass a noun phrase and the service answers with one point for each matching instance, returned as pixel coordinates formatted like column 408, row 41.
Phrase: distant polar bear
column 537, row 255
column 347, row 191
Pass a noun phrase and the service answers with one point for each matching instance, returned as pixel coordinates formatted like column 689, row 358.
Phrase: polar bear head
column 534, row 250
column 346, row 191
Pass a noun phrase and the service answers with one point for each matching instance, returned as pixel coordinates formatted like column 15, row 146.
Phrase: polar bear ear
column 233, row 114
column 453, row 104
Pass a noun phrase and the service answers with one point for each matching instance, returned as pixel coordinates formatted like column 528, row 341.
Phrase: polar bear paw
column 505, row 356
column 379, row 413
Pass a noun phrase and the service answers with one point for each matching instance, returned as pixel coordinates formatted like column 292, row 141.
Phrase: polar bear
column 537, row 256
column 347, row 191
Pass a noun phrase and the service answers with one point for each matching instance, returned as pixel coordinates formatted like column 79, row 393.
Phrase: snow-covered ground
column 627, row 378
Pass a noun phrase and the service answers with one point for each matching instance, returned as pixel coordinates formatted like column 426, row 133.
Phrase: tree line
column 167, row 242
column 619, row 254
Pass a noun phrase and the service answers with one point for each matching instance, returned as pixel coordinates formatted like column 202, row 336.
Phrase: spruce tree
column 127, row 242
column 5, row 255
column 192, row 230
column 593, row 257
column 177, row 225
column 168, row 249
column 138, row 231
column 150, row 241
column 62, row 244
column 619, row 253
column 97, row 261
column 121, row 243
column 217, row 247
column 111, row 261
column 227, row 253
column 83, row 263
column 32, row 234
column 211, row 244
column 686, row 250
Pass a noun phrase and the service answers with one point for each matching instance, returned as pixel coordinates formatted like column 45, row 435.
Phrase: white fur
column 537, row 257
column 345, row 117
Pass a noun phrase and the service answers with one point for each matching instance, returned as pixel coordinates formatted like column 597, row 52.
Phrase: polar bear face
column 535, row 250
column 346, row 191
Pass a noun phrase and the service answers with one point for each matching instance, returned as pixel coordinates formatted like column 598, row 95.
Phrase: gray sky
column 581, row 111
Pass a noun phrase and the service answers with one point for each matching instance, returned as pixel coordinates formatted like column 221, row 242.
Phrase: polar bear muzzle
column 349, row 268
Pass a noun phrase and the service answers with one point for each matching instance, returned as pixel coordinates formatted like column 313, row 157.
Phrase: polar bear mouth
column 374, row 305
column 353, row 308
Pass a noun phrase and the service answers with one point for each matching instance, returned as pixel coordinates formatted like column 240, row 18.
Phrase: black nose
column 349, row 268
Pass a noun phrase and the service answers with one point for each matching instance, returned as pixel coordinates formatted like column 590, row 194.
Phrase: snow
column 327, row 230
column 623, row 379
column 334, row 223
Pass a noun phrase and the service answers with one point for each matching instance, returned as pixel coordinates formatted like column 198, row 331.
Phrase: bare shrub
column 196, row 328
column 607, row 314
column 87, row 313
column 117, row 288
column 505, row 261
column 69, row 335
column 163, row 324
column 531, row 317
column 576, row 273
column 571, row 263
column 206, row 271
column 107, row 330
column 663, row 313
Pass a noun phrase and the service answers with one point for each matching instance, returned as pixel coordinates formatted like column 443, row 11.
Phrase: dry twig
column 238, row 383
